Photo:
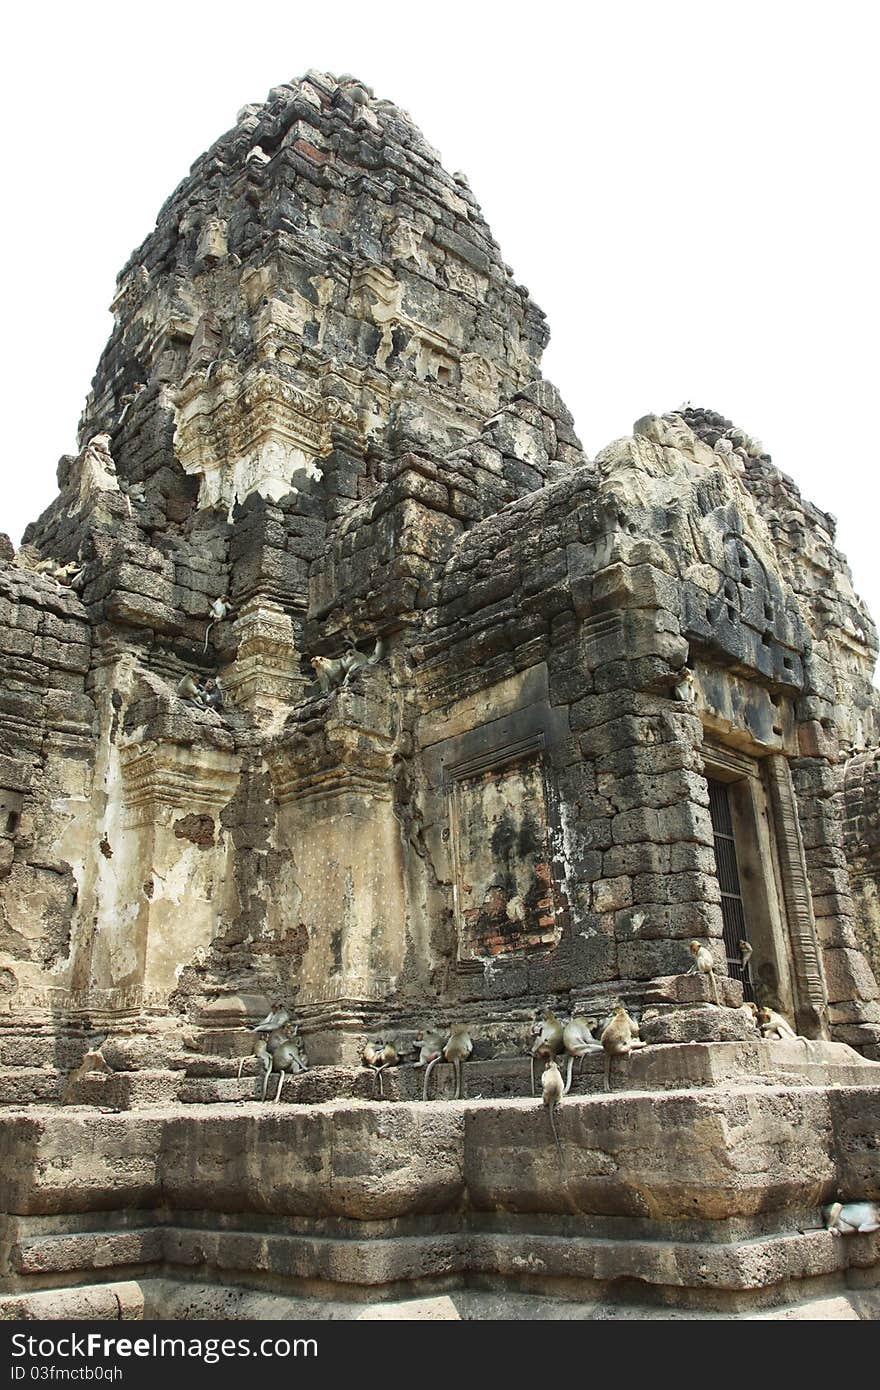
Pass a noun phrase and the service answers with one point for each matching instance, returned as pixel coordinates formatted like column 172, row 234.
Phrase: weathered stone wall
column 686, row 1204
column 321, row 409
column 47, row 832
column 861, row 810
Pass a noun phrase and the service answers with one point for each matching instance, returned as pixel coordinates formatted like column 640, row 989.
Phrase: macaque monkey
column 260, row 1052
column 685, row 688
column 328, row 672
column 851, row 1218
column 773, row 1025
column 750, row 1013
column 273, row 1035
column 212, row 695
column 552, row 1091
column 275, row 1018
column 745, row 954
column 387, row 1058
column 188, row 690
column 63, row 574
column 378, row 1055
column 219, row 610
column 548, row 1041
column 457, row 1048
column 577, row 1041
column 430, row 1044
column 704, row 964
column 370, row 1058
column 333, row 671
column 287, row 1056
column 618, row 1039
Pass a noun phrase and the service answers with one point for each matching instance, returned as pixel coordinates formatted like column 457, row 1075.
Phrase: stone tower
column 561, row 681
column 337, row 677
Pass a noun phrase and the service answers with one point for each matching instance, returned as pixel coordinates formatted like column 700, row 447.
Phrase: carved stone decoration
column 405, row 241
column 376, row 295
column 480, row 380
column 160, row 774
column 264, row 678
column 132, row 291
column 213, row 244
column 247, row 434
column 810, row 980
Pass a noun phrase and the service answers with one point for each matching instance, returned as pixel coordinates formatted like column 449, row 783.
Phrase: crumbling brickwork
column 338, row 673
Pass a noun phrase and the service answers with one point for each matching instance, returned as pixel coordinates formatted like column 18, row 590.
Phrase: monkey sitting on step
column 619, row 1038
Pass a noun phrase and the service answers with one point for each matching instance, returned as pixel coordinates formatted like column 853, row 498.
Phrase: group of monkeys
column 329, row 672
column 279, row 1049
column 208, row 693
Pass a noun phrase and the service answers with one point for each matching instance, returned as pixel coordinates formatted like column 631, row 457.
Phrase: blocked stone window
column 501, row 815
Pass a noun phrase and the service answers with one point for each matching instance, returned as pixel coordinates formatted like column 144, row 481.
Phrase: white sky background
column 689, row 190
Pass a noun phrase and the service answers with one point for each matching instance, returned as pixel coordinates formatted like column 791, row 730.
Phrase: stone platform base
column 169, row 1299
column 678, row 1203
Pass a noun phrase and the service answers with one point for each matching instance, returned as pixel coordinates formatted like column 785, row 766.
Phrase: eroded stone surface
column 337, row 675
column 708, row 1202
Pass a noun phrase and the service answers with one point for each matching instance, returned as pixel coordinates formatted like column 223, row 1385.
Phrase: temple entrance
column 736, row 930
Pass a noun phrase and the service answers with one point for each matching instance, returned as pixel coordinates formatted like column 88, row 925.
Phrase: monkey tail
column 532, row 1071
column 568, row 1077
column 428, row 1069
column 207, row 630
column 714, row 985
column 607, row 1071
column 556, row 1139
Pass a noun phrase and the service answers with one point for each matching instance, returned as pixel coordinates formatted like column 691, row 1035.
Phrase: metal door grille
column 732, row 913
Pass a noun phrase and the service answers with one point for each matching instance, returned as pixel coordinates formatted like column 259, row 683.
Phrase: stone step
column 659, row 1066
column 125, row 1090
column 797, row 1265
column 306, row 1088
column 181, row 1300
column 25, row 1085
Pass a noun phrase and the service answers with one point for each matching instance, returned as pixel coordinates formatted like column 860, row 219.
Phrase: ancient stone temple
column 338, row 681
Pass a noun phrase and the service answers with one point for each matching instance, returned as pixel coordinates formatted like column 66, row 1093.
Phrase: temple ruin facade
column 338, row 677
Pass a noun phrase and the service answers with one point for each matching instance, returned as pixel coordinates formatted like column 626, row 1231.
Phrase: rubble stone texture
column 322, row 404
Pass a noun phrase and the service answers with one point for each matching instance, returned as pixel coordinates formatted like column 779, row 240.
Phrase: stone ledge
column 211, row 1080
column 760, row 1147
column 185, row 1300
column 690, row 1199
column 735, row 1265
column 693, row 989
